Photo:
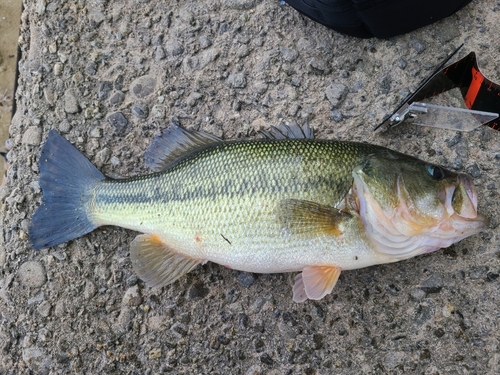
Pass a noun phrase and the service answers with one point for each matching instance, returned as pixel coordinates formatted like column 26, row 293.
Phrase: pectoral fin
column 155, row 263
column 315, row 282
column 298, row 216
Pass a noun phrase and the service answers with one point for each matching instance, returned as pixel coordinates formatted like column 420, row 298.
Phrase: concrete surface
column 231, row 68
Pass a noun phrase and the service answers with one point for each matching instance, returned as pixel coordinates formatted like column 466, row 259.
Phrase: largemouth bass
column 285, row 203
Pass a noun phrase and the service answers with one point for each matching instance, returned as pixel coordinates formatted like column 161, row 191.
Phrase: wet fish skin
column 207, row 207
column 272, row 205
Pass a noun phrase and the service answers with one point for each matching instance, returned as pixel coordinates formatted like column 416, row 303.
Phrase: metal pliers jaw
column 481, row 99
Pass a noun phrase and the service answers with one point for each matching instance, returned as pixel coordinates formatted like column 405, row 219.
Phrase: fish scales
column 221, row 200
column 287, row 203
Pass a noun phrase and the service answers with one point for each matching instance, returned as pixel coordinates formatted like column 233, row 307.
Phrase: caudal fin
column 66, row 177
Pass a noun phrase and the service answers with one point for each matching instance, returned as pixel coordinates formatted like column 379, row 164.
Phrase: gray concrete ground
column 232, row 68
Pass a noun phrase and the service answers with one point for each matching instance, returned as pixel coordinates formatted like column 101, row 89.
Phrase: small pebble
column 71, row 102
column 44, row 309
column 179, row 329
column 58, row 68
column 36, row 360
column 159, row 53
column 174, row 48
column 474, row 171
column 143, row 86
column 433, row 284
column 157, row 40
column 117, row 98
column 140, row 110
column 193, row 99
column 289, row 55
column 91, row 68
column 240, row 4
column 115, row 161
column 131, row 280
column 154, row 353
column 336, row 115
column 158, row 112
column 132, row 296
column 223, row 340
column 118, row 84
column 455, row 140
column 32, row 136
column 105, row 88
column 118, row 121
column 197, row 290
column 237, row 81
column 478, row 273
column 245, row 279
column 53, row 47
column 32, row 274
column 266, row 358
column 385, row 84
column 205, row 42
column 336, row 93
column 458, row 163
column 417, row 45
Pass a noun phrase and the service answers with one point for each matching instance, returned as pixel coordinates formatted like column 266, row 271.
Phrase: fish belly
column 245, row 235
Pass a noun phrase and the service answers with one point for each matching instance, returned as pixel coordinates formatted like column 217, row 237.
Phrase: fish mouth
column 400, row 234
column 460, row 198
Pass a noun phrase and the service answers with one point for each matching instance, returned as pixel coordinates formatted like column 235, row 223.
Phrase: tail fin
column 66, row 176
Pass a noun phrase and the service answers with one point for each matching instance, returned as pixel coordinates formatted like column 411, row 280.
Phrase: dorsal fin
column 290, row 130
column 173, row 143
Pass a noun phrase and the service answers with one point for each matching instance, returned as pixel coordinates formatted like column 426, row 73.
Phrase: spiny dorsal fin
column 155, row 263
column 315, row 282
column 173, row 143
column 298, row 216
column 290, row 130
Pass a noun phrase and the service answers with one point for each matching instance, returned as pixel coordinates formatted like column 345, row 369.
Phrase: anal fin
column 315, row 282
column 157, row 264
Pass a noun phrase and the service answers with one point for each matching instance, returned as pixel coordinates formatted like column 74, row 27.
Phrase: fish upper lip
column 447, row 193
column 470, row 189
column 469, row 205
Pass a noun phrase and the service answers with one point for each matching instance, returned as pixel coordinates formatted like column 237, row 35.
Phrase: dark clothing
column 376, row 18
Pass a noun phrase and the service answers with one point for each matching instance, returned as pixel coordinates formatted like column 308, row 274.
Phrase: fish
column 284, row 203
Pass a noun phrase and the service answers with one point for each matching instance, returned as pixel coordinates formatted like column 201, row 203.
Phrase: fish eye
column 436, row 172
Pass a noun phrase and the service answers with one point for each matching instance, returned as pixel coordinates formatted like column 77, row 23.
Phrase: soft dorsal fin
column 173, row 143
column 290, row 130
column 298, row 216
column 156, row 263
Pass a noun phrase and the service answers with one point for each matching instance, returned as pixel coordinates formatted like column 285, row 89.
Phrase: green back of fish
column 229, row 191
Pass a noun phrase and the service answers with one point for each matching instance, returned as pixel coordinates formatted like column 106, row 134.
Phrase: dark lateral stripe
column 123, row 194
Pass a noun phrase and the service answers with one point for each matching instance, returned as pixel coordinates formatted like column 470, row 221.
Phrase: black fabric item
column 376, row 18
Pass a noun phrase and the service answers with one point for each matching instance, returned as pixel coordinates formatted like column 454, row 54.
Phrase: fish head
column 410, row 207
